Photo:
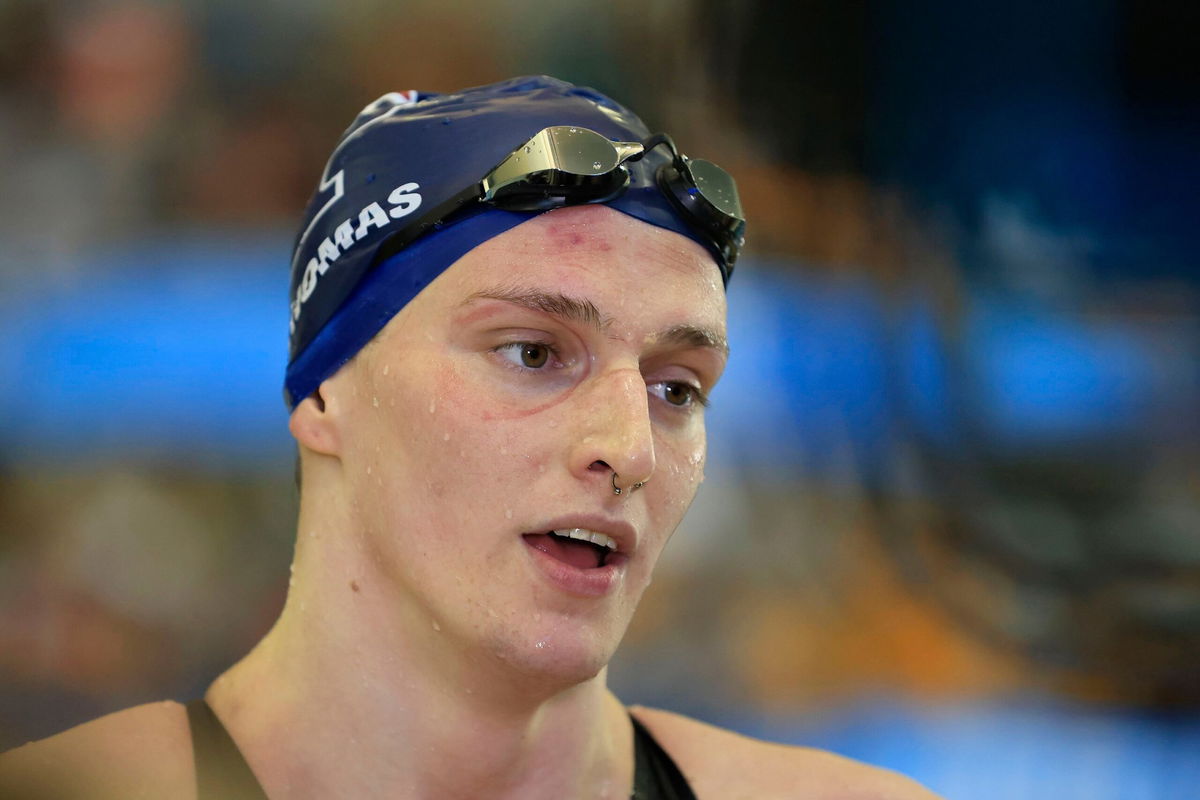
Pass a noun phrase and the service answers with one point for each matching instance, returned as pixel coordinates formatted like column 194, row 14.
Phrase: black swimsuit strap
column 223, row 774
column 655, row 775
column 221, row 771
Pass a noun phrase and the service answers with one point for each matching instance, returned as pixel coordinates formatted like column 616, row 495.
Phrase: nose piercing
column 632, row 489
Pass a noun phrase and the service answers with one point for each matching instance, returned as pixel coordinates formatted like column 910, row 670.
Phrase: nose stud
column 632, row 489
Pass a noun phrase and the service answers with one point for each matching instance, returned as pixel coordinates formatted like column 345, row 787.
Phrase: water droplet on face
column 433, row 406
column 368, row 470
column 508, row 513
column 375, row 402
column 386, row 368
column 445, row 437
column 541, row 645
column 436, row 627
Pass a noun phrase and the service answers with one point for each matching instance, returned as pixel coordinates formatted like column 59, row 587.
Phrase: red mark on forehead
column 567, row 236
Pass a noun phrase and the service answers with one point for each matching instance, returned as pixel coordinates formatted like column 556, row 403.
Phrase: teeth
column 588, row 536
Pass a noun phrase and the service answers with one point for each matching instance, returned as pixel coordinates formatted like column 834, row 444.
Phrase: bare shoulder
column 140, row 752
column 722, row 764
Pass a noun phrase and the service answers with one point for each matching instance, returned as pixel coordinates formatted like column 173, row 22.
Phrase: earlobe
column 313, row 425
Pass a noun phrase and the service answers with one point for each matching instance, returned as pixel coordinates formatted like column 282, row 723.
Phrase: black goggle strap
column 432, row 219
column 559, row 165
column 569, row 165
column 677, row 158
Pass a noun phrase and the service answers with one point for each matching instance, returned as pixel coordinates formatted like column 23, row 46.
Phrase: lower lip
column 594, row 582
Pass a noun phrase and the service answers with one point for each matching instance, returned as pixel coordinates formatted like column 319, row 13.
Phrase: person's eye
column 530, row 355
column 678, row 393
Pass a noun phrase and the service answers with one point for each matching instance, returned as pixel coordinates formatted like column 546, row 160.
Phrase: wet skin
column 500, row 402
column 427, row 650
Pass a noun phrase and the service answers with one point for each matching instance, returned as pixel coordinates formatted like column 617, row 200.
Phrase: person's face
column 497, row 407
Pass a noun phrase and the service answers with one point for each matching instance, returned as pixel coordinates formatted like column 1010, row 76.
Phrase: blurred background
column 952, row 517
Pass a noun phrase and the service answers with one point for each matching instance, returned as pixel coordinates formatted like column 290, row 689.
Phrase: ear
column 313, row 425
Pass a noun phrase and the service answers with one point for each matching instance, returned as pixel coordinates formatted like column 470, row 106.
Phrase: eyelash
column 515, row 346
column 696, row 396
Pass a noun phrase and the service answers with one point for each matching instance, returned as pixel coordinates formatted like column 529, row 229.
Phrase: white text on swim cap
column 403, row 200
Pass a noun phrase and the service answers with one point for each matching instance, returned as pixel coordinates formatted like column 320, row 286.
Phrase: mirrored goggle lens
column 559, row 164
column 717, row 187
column 567, row 165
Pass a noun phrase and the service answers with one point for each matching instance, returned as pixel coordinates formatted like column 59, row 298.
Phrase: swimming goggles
column 568, row 165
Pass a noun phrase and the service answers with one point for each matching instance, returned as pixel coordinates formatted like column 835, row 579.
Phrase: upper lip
column 621, row 532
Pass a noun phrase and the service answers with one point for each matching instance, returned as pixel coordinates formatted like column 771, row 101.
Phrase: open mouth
column 580, row 548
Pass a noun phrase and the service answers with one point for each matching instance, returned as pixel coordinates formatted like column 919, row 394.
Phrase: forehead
column 600, row 253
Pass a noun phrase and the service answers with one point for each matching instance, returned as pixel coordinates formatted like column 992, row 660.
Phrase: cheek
column 680, row 469
column 427, row 450
column 476, row 448
column 411, row 435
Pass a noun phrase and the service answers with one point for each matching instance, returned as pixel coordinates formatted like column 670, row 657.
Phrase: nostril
column 599, row 466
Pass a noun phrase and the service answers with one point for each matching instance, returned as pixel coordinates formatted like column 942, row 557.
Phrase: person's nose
column 615, row 444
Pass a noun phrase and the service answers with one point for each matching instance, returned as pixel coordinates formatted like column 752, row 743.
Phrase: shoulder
column 141, row 752
column 722, row 764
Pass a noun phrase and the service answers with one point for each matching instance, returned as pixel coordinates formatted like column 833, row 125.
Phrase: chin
column 555, row 662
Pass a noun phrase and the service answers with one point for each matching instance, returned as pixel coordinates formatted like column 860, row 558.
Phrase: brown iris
column 677, row 394
column 534, row 355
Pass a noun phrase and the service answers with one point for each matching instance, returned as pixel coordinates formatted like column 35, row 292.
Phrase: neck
column 357, row 693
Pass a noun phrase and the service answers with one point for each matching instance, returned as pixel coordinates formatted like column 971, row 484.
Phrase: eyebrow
column 693, row 336
column 584, row 311
column 560, row 305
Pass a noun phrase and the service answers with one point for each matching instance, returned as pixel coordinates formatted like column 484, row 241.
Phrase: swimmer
column 507, row 312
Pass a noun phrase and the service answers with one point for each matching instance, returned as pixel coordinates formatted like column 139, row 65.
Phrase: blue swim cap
column 411, row 150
